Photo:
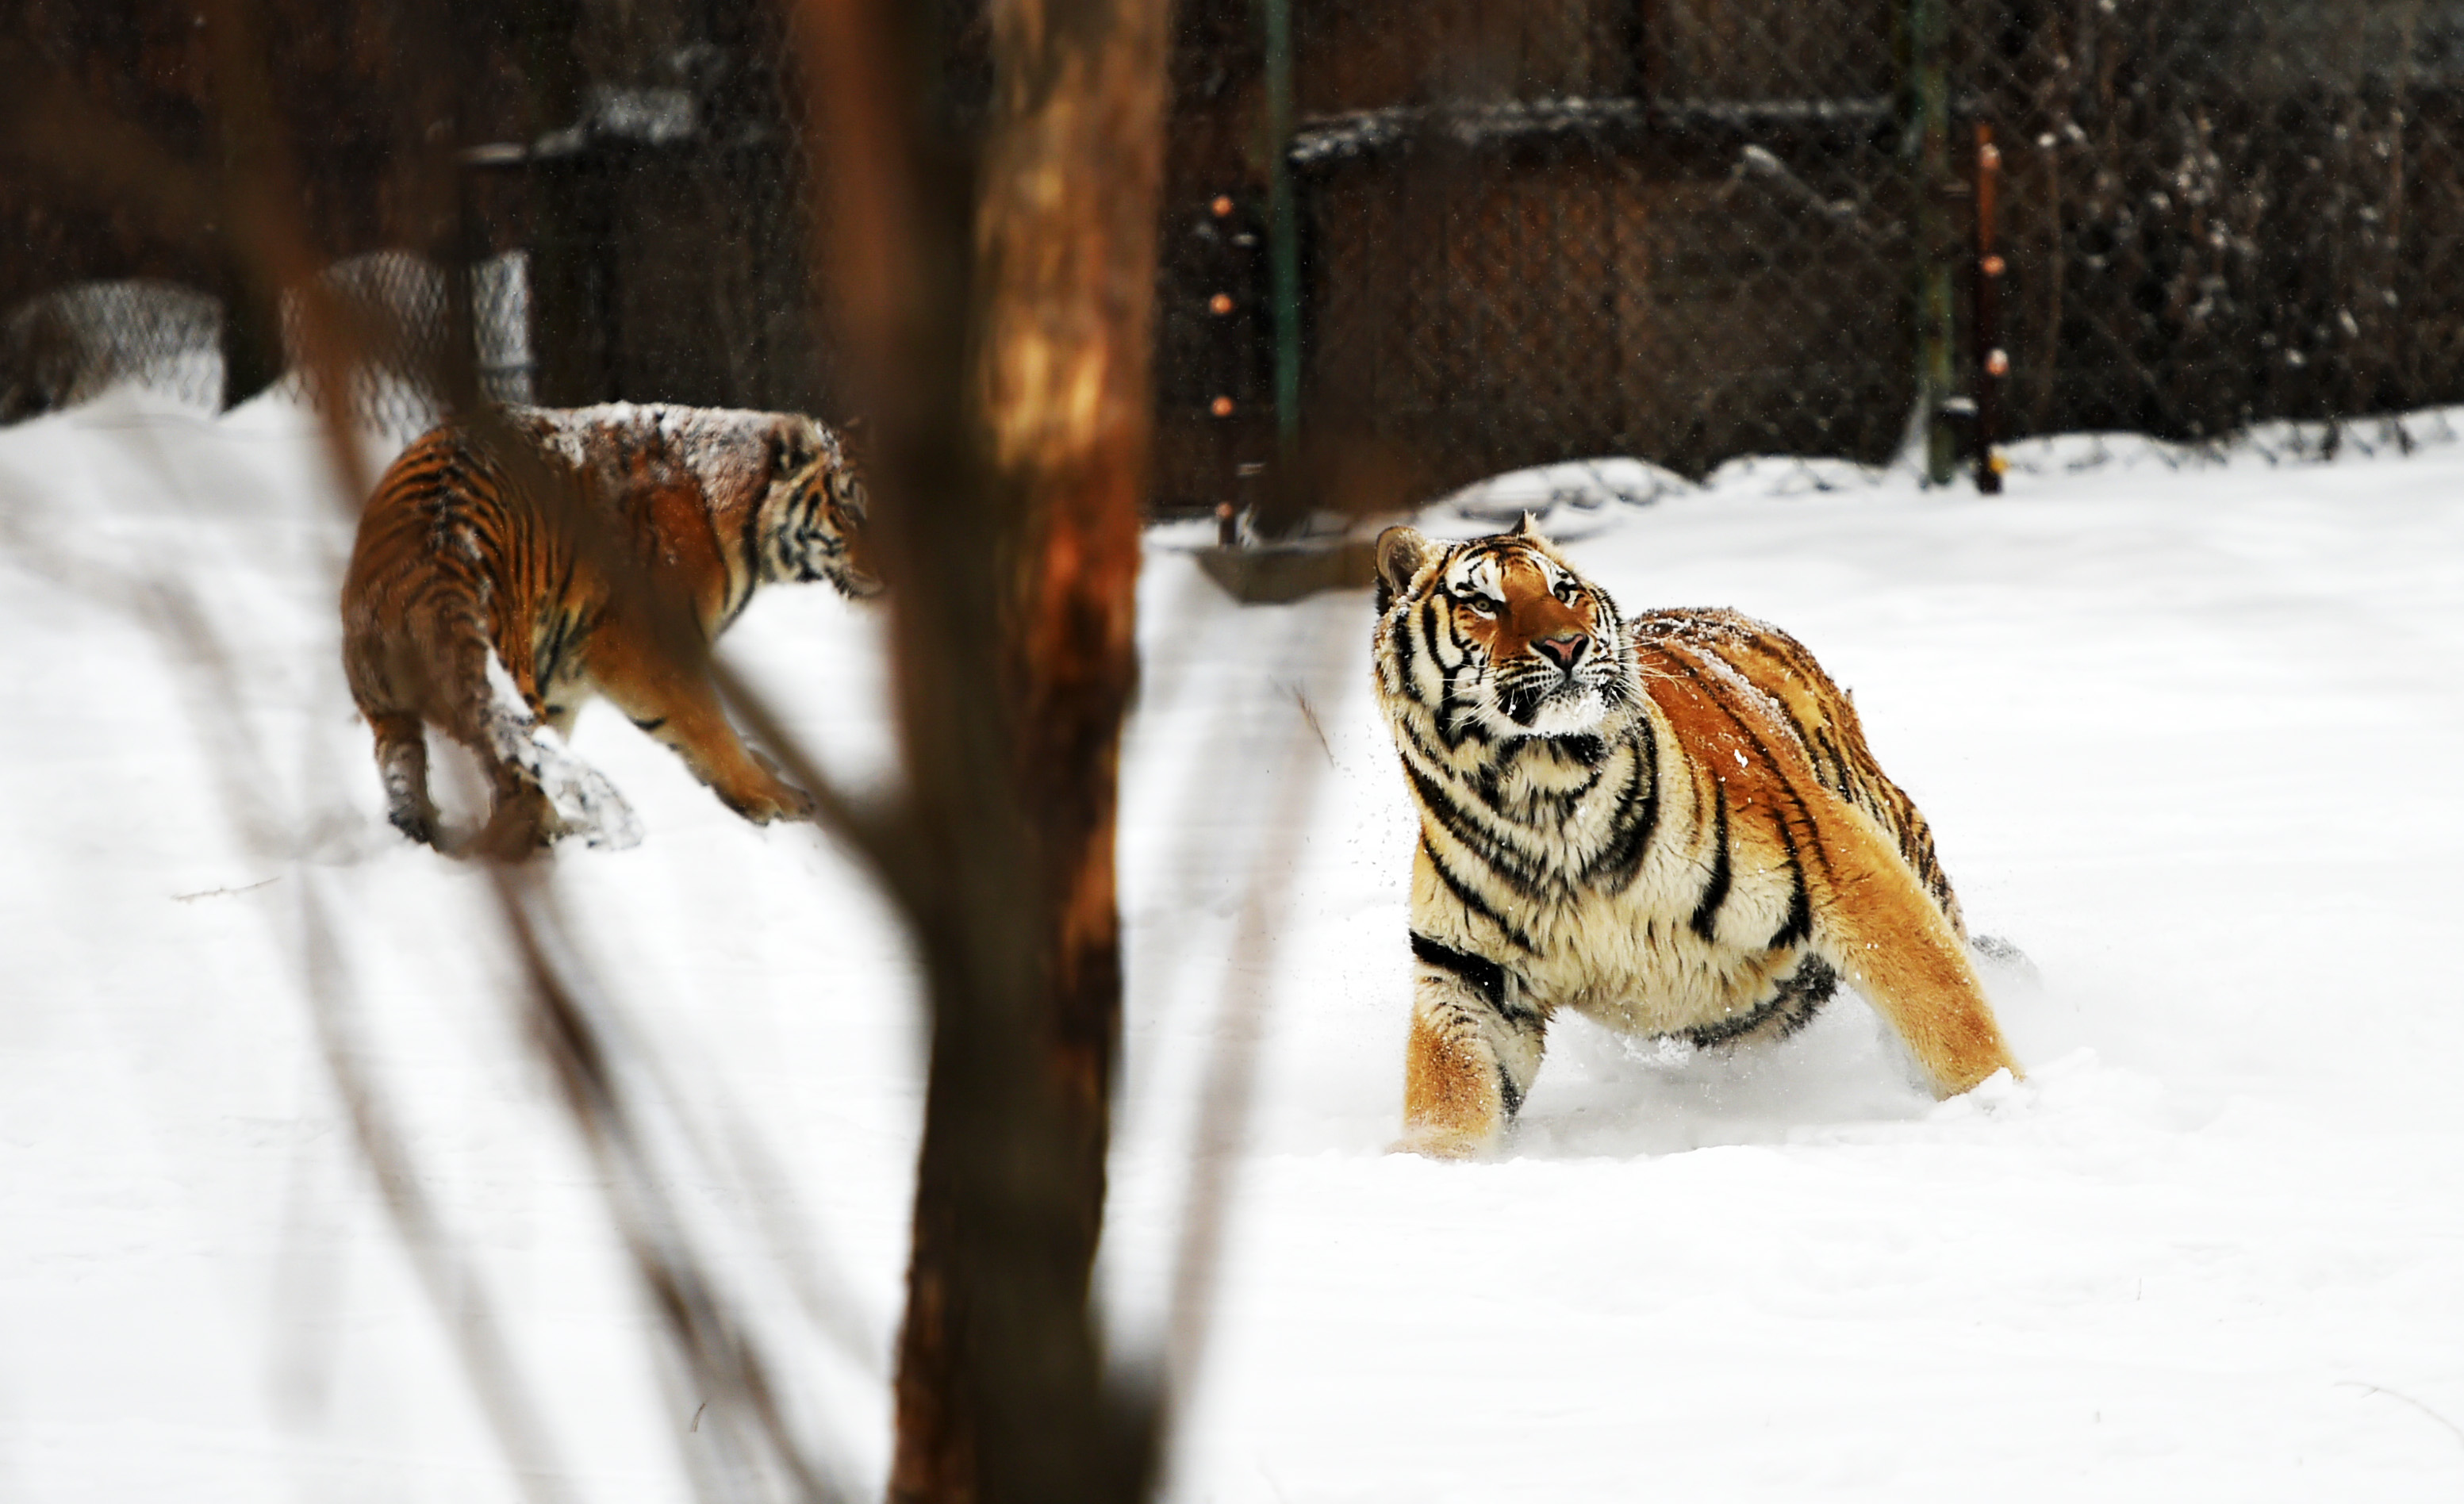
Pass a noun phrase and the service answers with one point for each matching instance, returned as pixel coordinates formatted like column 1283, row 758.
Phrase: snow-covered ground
column 2190, row 736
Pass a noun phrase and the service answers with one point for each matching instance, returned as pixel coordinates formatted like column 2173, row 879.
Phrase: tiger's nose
column 1565, row 650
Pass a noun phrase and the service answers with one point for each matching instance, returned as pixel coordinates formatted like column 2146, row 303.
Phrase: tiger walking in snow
column 492, row 613
column 1671, row 826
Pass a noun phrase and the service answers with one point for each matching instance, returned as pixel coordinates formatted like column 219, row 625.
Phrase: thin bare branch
column 712, row 1343
column 454, row 1288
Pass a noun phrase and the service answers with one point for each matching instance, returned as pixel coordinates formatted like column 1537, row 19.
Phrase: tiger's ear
column 792, row 450
column 1402, row 552
column 1529, row 527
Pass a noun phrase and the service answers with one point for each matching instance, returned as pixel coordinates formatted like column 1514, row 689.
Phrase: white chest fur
column 1521, row 860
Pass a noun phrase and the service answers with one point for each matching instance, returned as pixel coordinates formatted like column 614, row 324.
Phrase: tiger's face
column 813, row 527
column 1515, row 638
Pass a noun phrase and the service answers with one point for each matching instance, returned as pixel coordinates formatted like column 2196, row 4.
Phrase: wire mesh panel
column 675, row 222
column 2221, row 214
column 1584, row 229
column 73, row 343
column 572, row 202
column 1692, row 230
column 1678, row 230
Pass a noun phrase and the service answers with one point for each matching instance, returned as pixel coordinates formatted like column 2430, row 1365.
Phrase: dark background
column 1684, row 230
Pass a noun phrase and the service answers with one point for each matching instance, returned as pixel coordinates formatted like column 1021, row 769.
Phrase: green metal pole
column 1927, row 24
column 1283, row 247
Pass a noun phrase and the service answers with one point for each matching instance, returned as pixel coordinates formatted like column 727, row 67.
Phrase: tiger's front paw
column 776, row 800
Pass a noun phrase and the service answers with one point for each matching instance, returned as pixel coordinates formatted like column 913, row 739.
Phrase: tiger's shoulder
column 624, row 448
column 1751, row 668
column 1728, row 684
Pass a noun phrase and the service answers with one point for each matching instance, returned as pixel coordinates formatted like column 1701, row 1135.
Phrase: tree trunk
column 1000, row 1388
column 1013, row 559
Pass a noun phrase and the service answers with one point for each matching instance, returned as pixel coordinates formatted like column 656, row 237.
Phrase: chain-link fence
column 1576, row 232
column 1692, row 230
column 1410, row 243
column 610, row 200
column 2224, row 213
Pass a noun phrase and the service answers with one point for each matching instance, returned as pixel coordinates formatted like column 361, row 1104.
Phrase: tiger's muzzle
column 1553, row 690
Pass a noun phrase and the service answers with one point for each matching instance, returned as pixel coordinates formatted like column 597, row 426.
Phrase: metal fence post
column 1926, row 29
column 1282, row 257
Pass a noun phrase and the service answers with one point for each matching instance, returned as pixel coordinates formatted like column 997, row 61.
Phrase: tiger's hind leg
column 541, row 790
column 389, row 680
column 525, row 756
column 520, row 821
column 1879, row 926
column 537, row 790
column 402, row 763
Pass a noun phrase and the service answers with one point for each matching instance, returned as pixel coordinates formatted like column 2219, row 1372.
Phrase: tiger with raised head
column 479, row 598
column 1670, row 826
